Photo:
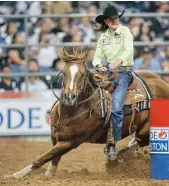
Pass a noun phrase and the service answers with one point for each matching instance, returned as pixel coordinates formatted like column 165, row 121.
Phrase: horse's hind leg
column 52, row 168
column 143, row 135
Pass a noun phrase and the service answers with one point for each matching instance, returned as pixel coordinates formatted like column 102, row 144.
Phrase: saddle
column 137, row 99
column 137, row 96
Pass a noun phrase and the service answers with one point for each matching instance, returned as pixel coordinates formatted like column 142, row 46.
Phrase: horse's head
column 73, row 76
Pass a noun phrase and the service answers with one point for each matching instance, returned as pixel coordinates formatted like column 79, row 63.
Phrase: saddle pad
column 138, row 94
column 140, row 106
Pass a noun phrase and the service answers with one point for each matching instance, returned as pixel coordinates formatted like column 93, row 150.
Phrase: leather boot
column 111, row 152
column 111, row 149
column 116, row 133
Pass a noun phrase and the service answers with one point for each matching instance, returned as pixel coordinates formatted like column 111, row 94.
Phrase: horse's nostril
column 65, row 96
column 73, row 96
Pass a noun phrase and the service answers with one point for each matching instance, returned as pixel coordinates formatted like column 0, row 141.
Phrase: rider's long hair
column 100, row 27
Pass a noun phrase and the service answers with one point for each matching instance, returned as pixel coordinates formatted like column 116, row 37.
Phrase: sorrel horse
column 75, row 120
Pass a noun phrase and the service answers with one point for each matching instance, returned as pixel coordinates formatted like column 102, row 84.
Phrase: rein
column 51, row 85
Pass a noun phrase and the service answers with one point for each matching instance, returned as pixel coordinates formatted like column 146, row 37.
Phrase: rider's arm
column 128, row 44
column 98, row 56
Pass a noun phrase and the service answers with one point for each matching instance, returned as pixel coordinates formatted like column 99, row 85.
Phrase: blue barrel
column 159, row 139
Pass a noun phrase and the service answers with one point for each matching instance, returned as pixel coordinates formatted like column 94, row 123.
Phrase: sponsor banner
column 24, row 116
column 159, row 140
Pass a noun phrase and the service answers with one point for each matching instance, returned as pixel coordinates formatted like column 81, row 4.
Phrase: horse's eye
column 64, row 74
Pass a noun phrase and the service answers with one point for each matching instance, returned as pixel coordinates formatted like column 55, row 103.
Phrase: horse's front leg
column 52, row 168
column 57, row 151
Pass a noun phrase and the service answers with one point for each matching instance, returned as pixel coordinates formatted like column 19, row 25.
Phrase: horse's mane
column 75, row 55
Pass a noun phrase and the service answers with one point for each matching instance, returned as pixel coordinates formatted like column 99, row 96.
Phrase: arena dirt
column 81, row 167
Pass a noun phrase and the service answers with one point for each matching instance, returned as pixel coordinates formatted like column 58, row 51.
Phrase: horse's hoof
column 48, row 175
column 9, row 176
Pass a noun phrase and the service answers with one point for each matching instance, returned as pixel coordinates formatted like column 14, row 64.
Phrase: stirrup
column 132, row 143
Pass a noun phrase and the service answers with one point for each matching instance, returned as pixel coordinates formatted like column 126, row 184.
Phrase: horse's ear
column 61, row 53
column 85, row 54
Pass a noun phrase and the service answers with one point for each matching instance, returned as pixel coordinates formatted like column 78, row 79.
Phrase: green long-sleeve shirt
column 118, row 46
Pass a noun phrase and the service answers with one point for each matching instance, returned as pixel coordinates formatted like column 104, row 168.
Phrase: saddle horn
column 113, row 77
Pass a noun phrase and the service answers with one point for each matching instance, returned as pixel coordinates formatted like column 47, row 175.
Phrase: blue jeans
column 121, row 85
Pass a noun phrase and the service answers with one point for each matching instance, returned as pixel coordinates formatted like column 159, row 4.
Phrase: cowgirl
column 116, row 44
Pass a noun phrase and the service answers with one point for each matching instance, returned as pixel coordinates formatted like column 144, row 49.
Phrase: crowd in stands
column 60, row 30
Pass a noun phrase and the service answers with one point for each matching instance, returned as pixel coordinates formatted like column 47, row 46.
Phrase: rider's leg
column 118, row 97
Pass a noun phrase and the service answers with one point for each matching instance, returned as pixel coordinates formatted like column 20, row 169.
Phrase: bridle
column 85, row 78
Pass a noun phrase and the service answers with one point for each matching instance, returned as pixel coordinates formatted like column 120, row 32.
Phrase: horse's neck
column 85, row 92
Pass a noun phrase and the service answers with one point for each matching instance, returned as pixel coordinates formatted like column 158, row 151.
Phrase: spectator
column 160, row 24
column 16, row 55
column 42, row 27
column 87, row 30
column 62, row 7
column 4, row 61
column 142, row 6
column 7, row 84
column 144, row 33
column 48, row 8
column 48, row 30
column 90, row 58
column 11, row 30
column 2, row 31
column 166, row 34
column 134, row 26
column 146, row 61
column 42, row 53
column 58, row 65
column 165, row 64
column 165, row 60
column 34, row 83
column 72, row 34
column 21, row 7
column 92, row 9
column 64, row 24
column 35, row 8
column 61, row 28
column 83, row 5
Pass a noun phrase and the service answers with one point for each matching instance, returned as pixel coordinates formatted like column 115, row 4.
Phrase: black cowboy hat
column 109, row 11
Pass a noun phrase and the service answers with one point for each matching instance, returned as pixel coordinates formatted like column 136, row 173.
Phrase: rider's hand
column 115, row 64
column 102, row 69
